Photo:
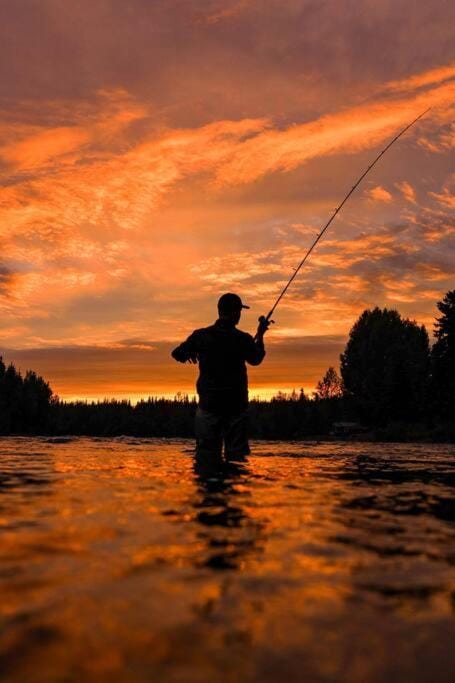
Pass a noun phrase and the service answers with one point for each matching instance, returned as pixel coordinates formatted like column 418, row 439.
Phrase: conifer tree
column 385, row 366
column 330, row 386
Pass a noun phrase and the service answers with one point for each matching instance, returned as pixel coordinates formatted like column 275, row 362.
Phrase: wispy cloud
column 407, row 191
column 350, row 131
column 447, row 196
column 431, row 77
column 217, row 12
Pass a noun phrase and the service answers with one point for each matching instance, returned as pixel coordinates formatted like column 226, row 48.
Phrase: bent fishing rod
column 267, row 318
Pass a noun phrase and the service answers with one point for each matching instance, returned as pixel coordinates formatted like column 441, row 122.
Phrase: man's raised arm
column 255, row 349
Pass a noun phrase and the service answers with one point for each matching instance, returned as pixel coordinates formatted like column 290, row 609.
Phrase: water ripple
column 124, row 560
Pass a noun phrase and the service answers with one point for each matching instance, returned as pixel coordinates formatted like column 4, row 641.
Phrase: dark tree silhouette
column 25, row 403
column 330, row 386
column 11, row 395
column 385, row 367
column 36, row 401
column 443, row 359
column 4, row 413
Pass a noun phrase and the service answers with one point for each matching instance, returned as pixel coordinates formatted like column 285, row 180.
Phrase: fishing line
column 267, row 318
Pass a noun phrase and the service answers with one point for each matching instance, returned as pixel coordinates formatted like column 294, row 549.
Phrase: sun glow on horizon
column 255, row 393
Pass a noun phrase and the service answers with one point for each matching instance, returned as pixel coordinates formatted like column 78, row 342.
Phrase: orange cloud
column 438, row 75
column 433, row 273
column 379, row 194
column 407, row 191
column 125, row 185
column 225, row 11
column 349, row 132
column 38, row 149
column 447, row 196
column 401, row 291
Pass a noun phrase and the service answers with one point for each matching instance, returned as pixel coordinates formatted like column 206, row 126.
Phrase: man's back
column 222, row 351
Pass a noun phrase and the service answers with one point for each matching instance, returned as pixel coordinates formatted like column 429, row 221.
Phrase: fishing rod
column 267, row 318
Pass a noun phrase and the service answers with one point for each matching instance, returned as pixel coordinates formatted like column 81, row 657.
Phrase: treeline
column 284, row 417
column 25, row 402
column 390, row 382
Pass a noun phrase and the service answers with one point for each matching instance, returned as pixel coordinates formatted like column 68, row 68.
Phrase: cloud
column 74, row 178
column 447, row 197
column 441, row 140
column 222, row 11
column 6, row 278
column 379, row 194
column 430, row 77
column 350, row 131
column 393, row 265
column 42, row 147
column 407, row 191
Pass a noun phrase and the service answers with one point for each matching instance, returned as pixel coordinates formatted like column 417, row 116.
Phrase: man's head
column 230, row 307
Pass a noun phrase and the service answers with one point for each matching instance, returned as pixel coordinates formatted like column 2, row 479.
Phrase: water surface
column 122, row 561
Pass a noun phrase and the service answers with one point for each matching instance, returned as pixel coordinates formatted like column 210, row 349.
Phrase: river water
column 120, row 560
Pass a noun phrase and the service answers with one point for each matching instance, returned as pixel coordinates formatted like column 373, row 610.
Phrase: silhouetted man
column 222, row 351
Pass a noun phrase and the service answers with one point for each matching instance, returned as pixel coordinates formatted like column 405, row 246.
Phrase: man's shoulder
column 202, row 331
column 244, row 335
column 213, row 329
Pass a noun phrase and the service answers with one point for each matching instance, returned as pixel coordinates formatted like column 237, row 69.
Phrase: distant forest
column 391, row 385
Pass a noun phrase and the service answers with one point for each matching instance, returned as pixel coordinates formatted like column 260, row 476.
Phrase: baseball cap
column 230, row 302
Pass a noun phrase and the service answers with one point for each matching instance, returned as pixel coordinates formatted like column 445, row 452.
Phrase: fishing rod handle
column 263, row 318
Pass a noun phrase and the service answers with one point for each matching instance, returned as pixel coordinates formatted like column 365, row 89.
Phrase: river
column 120, row 560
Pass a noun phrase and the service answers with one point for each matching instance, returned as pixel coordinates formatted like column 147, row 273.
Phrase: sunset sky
column 157, row 153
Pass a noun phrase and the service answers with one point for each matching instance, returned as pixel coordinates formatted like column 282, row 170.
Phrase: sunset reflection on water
column 124, row 560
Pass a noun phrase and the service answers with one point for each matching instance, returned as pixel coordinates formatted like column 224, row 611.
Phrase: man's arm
column 187, row 352
column 255, row 347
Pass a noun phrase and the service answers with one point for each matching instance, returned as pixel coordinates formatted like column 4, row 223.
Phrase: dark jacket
column 221, row 350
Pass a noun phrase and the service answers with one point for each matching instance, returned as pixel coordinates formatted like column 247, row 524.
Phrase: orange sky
column 154, row 155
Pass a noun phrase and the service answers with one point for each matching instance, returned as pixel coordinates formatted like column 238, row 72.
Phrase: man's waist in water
column 223, row 407
column 223, row 397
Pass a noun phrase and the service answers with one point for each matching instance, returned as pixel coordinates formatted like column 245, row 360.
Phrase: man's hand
column 263, row 326
column 183, row 356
